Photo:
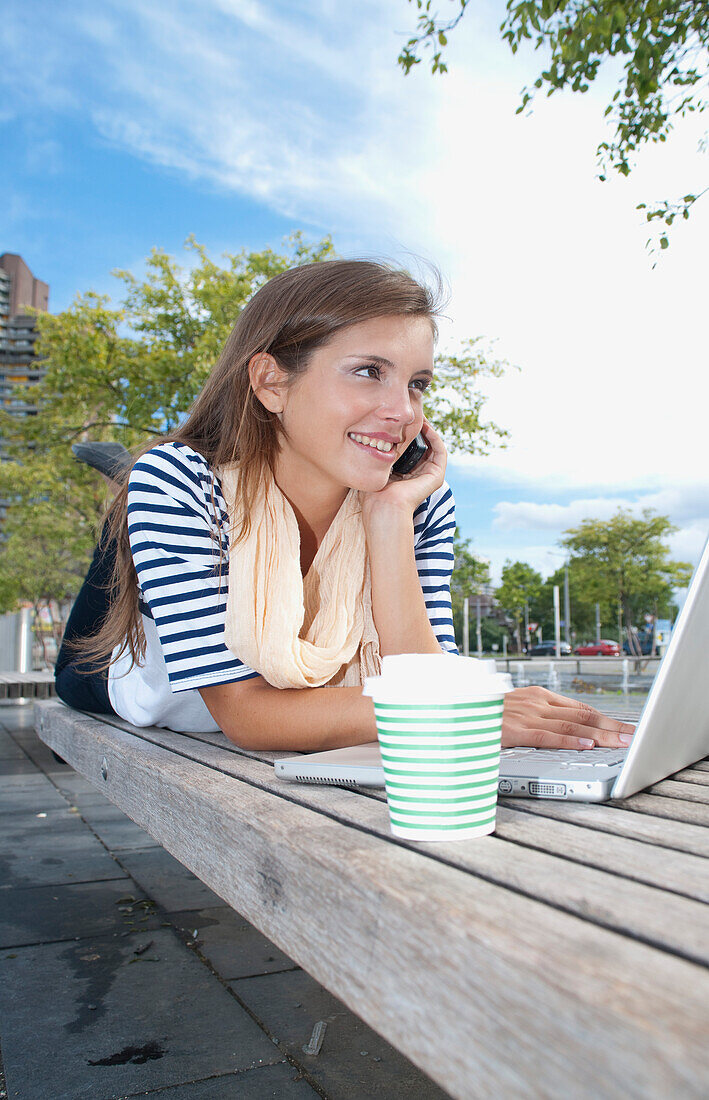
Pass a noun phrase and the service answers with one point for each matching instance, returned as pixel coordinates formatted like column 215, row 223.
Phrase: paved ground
column 121, row 975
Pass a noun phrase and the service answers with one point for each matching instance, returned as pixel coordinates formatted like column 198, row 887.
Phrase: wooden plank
column 693, row 775
column 485, row 990
column 670, row 870
column 676, row 809
column 639, row 909
column 614, row 818
column 672, row 788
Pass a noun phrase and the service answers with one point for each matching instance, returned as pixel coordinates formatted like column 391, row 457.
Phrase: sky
column 128, row 125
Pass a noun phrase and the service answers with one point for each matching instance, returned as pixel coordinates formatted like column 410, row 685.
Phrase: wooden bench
column 565, row 955
column 26, row 685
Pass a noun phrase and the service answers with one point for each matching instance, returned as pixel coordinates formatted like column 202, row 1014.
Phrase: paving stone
column 23, row 780
column 233, row 946
column 354, row 1062
column 34, row 799
column 126, row 1023
column 43, row 914
column 9, row 749
column 112, row 826
column 42, row 756
column 279, row 1082
column 16, row 717
column 19, row 766
column 51, row 847
column 167, row 881
column 72, row 785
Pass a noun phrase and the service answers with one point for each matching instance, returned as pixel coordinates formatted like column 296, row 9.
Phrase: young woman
column 265, row 556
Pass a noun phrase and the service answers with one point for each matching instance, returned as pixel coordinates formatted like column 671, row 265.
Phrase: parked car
column 548, row 649
column 603, row 648
column 645, row 644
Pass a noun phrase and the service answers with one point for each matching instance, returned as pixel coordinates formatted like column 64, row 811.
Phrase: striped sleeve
column 179, row 540
column 434, row 528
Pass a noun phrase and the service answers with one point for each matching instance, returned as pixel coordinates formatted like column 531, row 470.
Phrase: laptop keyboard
column 567, row 758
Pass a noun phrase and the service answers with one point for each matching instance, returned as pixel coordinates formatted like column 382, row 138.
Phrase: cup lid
column 434, row 677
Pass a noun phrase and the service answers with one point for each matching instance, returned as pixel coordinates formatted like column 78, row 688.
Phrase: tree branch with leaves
column 663, row 46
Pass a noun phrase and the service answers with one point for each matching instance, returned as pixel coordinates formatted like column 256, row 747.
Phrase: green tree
column 470, row 575
column 626, row 563
column 584, row 594
column 129, row 372
column 521, row 587
column 663, row 46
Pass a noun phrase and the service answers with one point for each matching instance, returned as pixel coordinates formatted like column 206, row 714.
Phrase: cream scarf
column 299, row 632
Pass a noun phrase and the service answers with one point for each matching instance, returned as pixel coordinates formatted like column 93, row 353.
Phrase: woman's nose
column 397, row 406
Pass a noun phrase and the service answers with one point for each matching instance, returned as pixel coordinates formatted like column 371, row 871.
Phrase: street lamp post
column 567, row 606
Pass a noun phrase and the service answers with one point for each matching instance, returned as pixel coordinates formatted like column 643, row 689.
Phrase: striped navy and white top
column 178, row 528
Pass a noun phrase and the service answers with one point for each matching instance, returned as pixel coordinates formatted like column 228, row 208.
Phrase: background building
column 19, row 366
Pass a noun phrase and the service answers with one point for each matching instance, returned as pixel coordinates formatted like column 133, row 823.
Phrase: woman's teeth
column 378, row 444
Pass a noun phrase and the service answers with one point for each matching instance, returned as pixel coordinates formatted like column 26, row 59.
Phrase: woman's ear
column 268, row 381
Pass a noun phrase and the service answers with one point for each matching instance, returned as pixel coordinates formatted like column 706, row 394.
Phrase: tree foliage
column 584, row 594
column 471, row 575
column 521, row 587
column 625, row 561
column 663, row 47
column 129, row 372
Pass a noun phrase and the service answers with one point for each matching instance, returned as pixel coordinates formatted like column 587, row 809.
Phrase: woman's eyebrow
column 378, row 359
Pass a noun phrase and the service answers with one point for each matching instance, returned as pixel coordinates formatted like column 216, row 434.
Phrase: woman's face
column 357, row 406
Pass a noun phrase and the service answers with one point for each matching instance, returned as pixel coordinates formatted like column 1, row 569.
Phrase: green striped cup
column 441, row 754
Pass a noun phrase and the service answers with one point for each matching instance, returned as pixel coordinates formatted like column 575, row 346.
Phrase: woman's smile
column 378, row 445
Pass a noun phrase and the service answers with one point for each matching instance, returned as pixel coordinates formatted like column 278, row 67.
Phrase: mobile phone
column 411, row 456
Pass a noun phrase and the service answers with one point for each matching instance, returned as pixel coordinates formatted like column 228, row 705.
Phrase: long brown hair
column 291, row 316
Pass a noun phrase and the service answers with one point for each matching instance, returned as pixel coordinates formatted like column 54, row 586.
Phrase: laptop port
column 547, row 790
column 504, row 786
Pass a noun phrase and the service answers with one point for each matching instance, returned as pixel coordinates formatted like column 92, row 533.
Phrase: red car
column 604, row 648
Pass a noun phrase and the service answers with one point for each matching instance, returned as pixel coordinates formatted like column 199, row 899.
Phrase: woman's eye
column 371, row 369
column 420, row 384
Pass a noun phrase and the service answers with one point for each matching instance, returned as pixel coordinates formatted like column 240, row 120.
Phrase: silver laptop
column 672, row 732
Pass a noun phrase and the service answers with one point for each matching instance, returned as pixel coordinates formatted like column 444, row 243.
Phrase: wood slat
column 676, row 809
column 615, row 818
column 672, row 788
column 670, row 870
column 693, row 775
column 487, row 991
column 644, row 911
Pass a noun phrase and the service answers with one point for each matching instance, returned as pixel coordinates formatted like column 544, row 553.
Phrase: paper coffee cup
column 439, row 724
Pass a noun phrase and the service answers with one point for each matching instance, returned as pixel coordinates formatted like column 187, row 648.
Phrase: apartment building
column 19, row 366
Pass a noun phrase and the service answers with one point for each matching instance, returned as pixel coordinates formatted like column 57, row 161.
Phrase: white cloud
column 688, row 543
column 527, row 515
column 684, row 504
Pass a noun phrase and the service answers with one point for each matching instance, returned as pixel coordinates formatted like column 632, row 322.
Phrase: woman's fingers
column 608, row 739
column 541, row 719
column 609, row 732
column 531, row 737
column 438, row 448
